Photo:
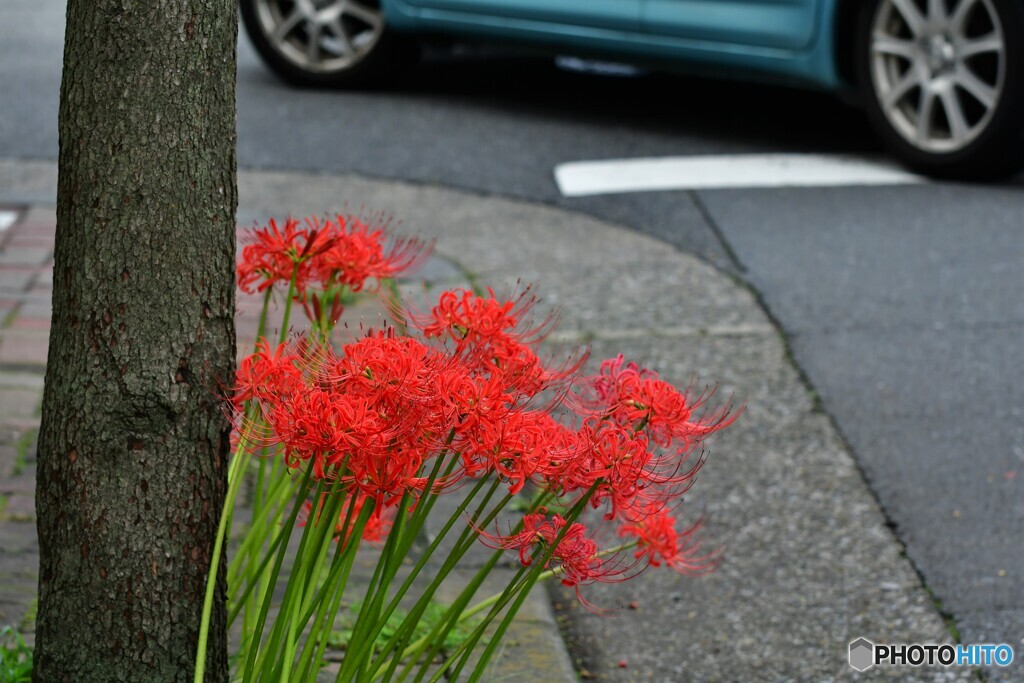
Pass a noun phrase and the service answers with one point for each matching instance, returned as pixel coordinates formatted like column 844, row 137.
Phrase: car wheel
column 326, row 42
column 943, row 83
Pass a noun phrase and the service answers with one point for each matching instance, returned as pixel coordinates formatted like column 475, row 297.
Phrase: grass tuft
column 15, row 657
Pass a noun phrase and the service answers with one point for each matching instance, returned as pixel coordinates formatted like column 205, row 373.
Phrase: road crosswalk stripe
column 7, row 219
column 583, row 178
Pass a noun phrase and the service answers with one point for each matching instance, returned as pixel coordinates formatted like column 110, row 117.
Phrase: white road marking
column 583, row 178
column 7, row 219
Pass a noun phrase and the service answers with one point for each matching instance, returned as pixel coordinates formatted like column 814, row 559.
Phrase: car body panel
column 785, row 24
column 792, row 43
column 622, row 14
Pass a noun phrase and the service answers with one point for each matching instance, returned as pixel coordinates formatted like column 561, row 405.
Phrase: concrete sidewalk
column 810, row 564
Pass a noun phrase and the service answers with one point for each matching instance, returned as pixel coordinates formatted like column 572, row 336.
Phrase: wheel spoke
column 911, row 15
column 991, row 42
column 287, row 26
column 363, row 14
column 936, row 10
column 893, row 46
column 901, row 88
column 925, row 114
column 954, row 114
column 313, row 46
column 959, row 16
column 981, row 91
column 339, row 32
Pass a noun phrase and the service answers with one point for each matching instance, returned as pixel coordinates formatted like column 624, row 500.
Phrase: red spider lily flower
column 371, row 416
column 576, row 557
column 276, row 255
column 389, row 475
column 658, row 542
column 326, row 428
column 341, row 252
column 359, row 251
column 496, row 339
column 387, row 367
column 468, row 398
column 463, row 316
column 266, row 373
column 524, row 445
column 632, row 395
column 623, row 470
column 399, row 376
column 611, row 458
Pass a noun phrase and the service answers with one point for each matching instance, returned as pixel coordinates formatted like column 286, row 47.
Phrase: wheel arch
column 844, row 33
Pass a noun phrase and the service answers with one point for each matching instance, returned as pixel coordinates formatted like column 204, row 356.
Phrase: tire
column 942, row 82
column 339, row 43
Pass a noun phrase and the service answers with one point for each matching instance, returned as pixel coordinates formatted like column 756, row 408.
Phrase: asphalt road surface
column 902, row 304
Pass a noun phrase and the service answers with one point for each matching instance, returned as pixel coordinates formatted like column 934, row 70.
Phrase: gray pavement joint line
column 663, row 332
column 717, row 231
column 34, row 368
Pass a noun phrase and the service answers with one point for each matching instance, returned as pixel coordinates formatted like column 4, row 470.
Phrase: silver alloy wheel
column 937, row 68
column 321, row 36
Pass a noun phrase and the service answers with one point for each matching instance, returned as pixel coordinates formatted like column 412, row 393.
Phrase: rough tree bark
column 133, row 443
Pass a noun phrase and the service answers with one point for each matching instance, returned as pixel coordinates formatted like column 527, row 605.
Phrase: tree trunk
column 134, row 442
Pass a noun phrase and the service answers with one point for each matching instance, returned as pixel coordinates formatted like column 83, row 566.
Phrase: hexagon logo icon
column 862, row 654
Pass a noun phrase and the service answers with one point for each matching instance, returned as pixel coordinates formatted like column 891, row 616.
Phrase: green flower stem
column 455, row 615
column 325, row 523
column 283, row 665
column 536, row 566
column 316, row 643
column 306, row 576
column 258, row 494
column 457, row 612
column 427, row 500
column 413, row 526
column 365, row 631
column 338, row 565
column 259, row 530
column 462, row 653
column 250, row 554
column 446, row 568
column 285, row 488
column 242, row 601
column 252, row 578
column 262, row 327
column 234, row 479
column 530, row 581
column 333, row 587
column 261, row 503
column 293, row 628
column 282, row 625
column 275, row 572
column 400, row 641
column 510, row 614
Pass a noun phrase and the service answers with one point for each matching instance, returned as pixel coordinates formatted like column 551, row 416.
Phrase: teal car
column 942, row 81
